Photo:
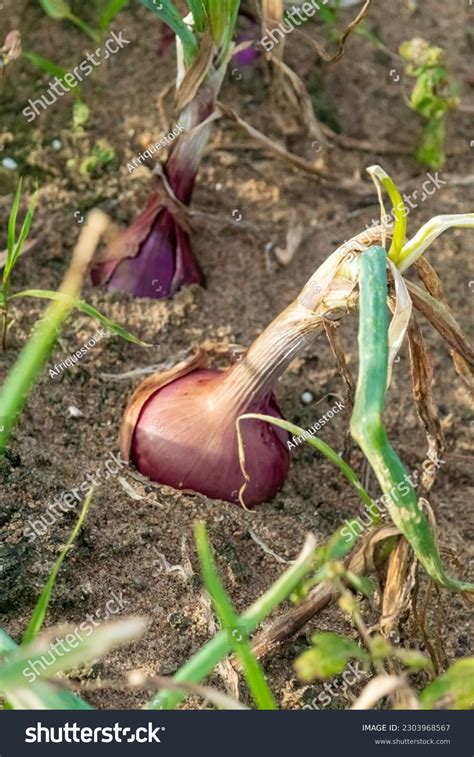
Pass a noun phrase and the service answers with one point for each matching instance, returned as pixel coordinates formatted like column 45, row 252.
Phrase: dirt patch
column 53, row 452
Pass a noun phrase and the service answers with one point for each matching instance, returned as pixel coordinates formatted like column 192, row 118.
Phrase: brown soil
column 52, row 452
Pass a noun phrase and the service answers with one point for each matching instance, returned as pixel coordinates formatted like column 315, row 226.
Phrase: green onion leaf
column 171, row 17
column 400, row 211
column 367, row 427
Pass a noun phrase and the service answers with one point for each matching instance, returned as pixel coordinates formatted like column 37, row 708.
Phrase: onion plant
column 378, row 346
column 162, row 429
column 153, row 256
column 367, row 427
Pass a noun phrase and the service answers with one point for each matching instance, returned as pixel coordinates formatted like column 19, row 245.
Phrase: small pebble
column 307, row 398
column 56, row 144
column 218, row 187
column 74, row 412
column 9, row 163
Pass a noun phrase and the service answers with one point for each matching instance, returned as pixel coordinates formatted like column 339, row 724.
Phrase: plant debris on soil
column 137, row 530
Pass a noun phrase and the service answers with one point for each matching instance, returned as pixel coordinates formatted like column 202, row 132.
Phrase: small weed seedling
column 432, row 96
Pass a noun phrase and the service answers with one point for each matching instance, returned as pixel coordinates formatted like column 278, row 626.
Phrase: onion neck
column 186, row 153
column 325, row 295
column 251, row 380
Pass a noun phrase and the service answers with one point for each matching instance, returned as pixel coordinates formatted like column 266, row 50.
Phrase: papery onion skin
column 162, row 265
column 153, row 256
column 184, row 439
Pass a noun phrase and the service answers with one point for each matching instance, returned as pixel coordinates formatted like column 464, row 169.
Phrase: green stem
column 204, row 661
column 84, row 27
column 367, row 427
column 322, row 447
column 230, row 622
column 27, row 367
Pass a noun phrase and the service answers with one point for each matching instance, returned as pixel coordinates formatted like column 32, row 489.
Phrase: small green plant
column 14, row 248
column 27, row 368
column 236, row 633
column 330, row 653
column 15, row 244
column 201, row 664
column 106, row 10
column 45, row 693
column 88, row 159
column 432, row 96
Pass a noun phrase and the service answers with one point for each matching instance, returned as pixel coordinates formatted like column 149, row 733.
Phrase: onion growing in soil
column 180, row 426
column 153, row 256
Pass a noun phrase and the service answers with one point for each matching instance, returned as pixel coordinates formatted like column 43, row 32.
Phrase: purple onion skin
column 153, row 256
column 164, row 262
column 201, row 452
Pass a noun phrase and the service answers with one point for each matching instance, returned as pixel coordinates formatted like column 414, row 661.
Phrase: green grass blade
column 84, row 27
column 7, row 645
column 318, row 444
column 19, row 382
column 171, row 17
column 366, row 423
column 198, row 9
column 39, row 695
column 84, row 307
column 12, row 222
column 98, row 643
column 49, row 67
column 204, row 661
column 25, row 230
column 41, row 607
column 238, row 639
column 57, row 9
column 111, row 10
